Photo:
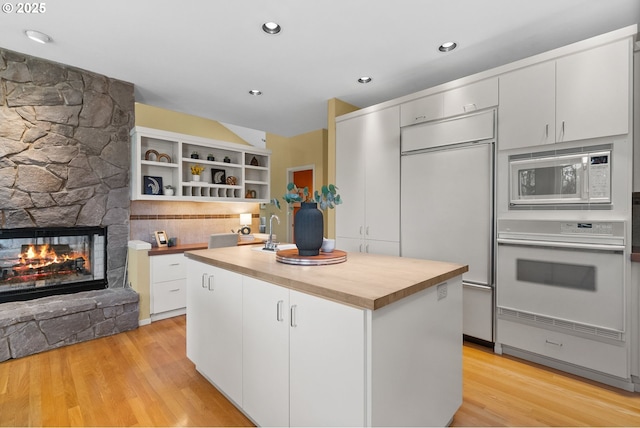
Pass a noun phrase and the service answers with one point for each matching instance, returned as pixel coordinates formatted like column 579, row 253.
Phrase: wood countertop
column 367, row 281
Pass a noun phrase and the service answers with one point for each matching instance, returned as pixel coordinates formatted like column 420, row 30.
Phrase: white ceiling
column 202, row 57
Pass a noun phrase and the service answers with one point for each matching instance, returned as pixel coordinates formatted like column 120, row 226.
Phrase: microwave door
column 548, row 181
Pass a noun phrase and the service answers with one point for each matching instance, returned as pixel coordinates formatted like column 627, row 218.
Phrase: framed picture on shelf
column 218, row 176
column 152, row 185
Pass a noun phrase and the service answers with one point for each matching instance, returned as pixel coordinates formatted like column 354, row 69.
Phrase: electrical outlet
column 442, row 291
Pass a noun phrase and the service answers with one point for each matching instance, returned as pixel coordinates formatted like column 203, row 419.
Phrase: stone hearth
column 51, row 322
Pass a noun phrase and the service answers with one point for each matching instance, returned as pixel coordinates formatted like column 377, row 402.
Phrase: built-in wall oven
column 567, row 273
column 562, row 294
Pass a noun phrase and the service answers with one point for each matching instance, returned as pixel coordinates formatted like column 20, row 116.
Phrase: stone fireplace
column 64, row 151
column 64, row 163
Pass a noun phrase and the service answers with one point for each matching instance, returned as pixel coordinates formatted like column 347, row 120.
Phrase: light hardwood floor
column 143, row 378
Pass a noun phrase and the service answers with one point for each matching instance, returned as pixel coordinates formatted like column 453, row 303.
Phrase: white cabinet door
column 421, row 110
column 469, row 98
column 215, row 296
column 527, row 109
column 350, row 164
column 327, row 363
column 382, row 175
column 368, row 175
column 265, row 357
column 196, row 311
column 593, row 95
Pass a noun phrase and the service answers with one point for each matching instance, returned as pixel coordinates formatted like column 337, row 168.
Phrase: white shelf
column 249, row 165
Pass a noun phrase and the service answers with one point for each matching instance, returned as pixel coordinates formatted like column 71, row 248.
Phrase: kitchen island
column 373, row 341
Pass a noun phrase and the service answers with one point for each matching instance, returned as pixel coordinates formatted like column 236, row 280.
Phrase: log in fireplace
column 39, row 262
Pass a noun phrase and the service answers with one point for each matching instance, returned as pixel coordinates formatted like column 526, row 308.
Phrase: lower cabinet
column 168, row 278
column 265, row 359
column 297, row 349
column 214, row 326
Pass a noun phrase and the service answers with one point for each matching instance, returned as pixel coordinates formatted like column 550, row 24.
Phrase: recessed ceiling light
column 255, row 92
column 364, row 79
column 448, row 46
column 37, row 36
column 271, row 27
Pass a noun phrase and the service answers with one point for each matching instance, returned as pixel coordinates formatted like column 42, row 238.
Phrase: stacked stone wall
column 64, row 151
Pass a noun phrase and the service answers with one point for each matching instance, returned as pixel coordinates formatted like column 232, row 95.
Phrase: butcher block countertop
column 366, row 281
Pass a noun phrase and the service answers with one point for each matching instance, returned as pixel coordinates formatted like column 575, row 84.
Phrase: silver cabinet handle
column 279, row 316
column 419, row 118
column 210, row 283
column 469, row 107
column 366, row 231
column 204, row 277
column 558, row 344
column 174, row 264
column 366, row 248
column 293, row 316
column 546, row 131
column 174, row 290
column 360, row 232
column 360, row 248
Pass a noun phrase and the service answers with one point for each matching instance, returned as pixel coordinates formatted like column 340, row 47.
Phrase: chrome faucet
column 270, row 245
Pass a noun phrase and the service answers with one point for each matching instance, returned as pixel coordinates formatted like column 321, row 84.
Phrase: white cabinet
column 232, row 172
column 593, row 92
column 265, row 357
column 472, row 97
column 527, row 107
column 214, row 326
column 327, row 362
column 368, row 175
column 579, row 96
column 422, row 110
column 297, row 348
column 168, row 276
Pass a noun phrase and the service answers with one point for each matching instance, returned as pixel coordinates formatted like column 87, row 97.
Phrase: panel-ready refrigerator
column 447, row 206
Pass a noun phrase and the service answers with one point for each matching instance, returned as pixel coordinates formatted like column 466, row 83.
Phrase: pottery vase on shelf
column 308, row 229
column 195, row 177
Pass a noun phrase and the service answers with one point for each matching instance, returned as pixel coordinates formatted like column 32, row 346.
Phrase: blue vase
column 308, row 229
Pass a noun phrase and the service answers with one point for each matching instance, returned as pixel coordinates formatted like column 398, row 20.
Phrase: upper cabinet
column 472, row 97
column 454, row 102
column 231, row 172
column 422, row 110
column 579, row 96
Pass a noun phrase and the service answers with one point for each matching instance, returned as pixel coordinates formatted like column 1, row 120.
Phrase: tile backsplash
column 190, row 222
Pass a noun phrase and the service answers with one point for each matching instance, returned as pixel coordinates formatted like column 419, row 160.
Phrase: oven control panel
column 599, row 228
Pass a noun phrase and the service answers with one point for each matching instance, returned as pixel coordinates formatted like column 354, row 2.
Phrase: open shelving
column 232, row 172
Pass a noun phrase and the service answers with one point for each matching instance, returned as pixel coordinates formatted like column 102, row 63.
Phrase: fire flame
column 43, row 256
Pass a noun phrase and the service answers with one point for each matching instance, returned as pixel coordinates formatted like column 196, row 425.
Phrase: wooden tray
column 292, row 257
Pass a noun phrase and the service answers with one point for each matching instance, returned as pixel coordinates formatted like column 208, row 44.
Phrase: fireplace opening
column 39, row 262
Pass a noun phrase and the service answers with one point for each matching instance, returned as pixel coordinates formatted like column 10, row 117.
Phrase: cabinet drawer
column 421, row 110
column 470, row 98
column 168, row 295
column 168, row 267
column 592, row 354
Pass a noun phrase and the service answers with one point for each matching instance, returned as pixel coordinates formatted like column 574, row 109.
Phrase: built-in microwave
column 557, row 179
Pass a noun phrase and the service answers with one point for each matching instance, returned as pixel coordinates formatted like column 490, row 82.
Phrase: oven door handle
column 560, row 245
